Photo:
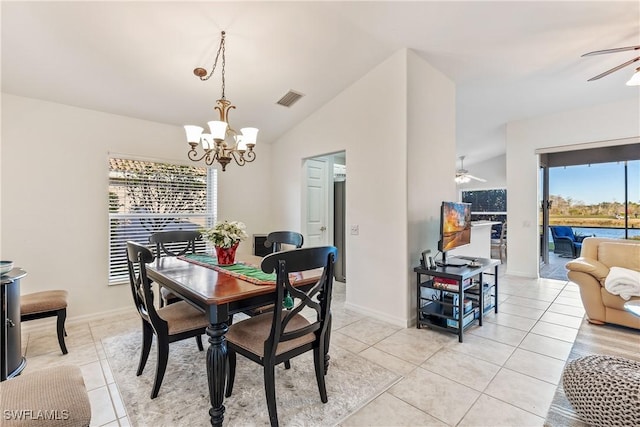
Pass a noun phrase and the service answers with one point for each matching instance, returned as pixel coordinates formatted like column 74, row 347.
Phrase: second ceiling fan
column 463, row 176
column 635, row 79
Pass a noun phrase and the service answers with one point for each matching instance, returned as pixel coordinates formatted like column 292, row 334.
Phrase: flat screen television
column 455, row 227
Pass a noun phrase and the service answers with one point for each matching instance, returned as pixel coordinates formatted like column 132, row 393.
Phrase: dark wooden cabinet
column 453, row 298
column 11, row 360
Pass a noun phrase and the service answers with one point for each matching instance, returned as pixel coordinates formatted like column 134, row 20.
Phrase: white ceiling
column 509, row 60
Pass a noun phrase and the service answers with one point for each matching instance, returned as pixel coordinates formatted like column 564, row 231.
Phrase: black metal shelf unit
column 450, row 298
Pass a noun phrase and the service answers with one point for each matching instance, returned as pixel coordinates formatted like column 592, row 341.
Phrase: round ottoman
column 604, row 390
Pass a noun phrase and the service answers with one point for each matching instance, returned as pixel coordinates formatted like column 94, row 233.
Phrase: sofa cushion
column 619, row 254
column 613, row 301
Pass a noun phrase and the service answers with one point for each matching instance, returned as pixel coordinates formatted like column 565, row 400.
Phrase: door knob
column 323, row 228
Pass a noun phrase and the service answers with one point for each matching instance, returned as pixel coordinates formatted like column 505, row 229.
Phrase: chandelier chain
column 224, row 60
column 221, row 48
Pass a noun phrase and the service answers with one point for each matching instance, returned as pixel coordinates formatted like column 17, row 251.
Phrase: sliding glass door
column 594, row 192
column 597, row 200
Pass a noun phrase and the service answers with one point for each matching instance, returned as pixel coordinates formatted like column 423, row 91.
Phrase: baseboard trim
column 524, row 274
column 36, row 324
column 400, row 322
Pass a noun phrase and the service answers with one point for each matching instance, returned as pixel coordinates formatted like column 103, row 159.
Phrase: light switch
column 355, row 230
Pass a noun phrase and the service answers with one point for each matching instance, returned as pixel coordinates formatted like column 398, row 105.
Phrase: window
column 488, row 205
column 146, row 197
column 487, row 202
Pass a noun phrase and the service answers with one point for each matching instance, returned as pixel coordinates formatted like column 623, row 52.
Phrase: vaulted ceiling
column 509, row 60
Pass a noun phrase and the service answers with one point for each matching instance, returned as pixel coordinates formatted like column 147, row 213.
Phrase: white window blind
column 146, row 197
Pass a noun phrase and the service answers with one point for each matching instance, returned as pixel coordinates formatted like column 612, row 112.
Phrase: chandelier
column 222, row 143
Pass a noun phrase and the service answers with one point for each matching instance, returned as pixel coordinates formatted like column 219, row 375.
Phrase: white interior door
column 317, row 215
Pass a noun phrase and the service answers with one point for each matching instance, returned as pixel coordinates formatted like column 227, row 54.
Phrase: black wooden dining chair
column 275, row 240
column 273, row 338
column 172, row 323
column 278, row 238
column 53, row 303
column 173, row 243
column 500, row 244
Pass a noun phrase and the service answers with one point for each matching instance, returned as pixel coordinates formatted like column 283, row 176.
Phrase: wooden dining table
column 219, row 295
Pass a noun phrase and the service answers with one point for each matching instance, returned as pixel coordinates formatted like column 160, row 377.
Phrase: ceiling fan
column 635, row 79
column 463, row 176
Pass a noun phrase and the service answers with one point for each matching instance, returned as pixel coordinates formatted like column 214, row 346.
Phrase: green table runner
column 249, row 273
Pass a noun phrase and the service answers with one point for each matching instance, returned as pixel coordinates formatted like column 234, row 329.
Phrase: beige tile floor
column 504, row 374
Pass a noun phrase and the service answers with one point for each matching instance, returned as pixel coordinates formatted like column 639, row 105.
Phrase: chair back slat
column 175, row 242
column 138, row 256
column 317, row 298
column 278, row 238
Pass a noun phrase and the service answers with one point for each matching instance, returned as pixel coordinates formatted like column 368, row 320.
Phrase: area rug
column 352, row 382
column 592, row 339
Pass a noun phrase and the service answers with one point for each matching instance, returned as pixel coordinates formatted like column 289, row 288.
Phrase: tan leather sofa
column 590, row 270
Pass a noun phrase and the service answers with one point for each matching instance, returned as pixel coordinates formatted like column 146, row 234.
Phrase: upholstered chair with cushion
column 279, row 238
column 500, row 243
column 273, row 338
column 58, row 391
column 276, row 239
column 39, row 305
column 173, row 243
column 565, row 242
column 171, row 323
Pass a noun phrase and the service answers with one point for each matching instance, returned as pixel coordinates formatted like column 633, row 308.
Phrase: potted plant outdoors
column 225, row 237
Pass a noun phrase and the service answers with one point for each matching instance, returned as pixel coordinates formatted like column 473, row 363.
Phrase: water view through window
column 591, row 199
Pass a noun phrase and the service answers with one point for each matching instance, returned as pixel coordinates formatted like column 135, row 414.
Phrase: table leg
column 216, row 370
column 495, row 290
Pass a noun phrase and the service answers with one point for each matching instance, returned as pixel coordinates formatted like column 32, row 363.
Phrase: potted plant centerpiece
column 225, row 237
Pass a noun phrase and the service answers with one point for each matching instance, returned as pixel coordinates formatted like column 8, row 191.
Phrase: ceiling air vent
column 290, row 98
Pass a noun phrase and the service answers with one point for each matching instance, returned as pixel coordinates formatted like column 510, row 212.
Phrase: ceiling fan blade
column 476, row 178
column 606, row 73
column 617, row 49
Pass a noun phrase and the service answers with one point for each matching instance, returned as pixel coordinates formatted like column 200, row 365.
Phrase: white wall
column 364, row 120
column 431, row 147
column 244, row 194
column 494, row 170
column 371, row 122
column 54, row 194
column 599, row 123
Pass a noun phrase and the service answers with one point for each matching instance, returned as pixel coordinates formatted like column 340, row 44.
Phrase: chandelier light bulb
column 193, row 133
column 218, row 129
column 249, row 136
